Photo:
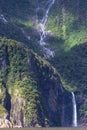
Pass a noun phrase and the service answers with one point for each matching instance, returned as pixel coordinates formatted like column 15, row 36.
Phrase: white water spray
column 42, row 31
column 74, row 123
column 43, row 22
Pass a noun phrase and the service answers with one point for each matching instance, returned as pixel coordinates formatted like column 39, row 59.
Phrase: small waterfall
column 43, row 22
column 42, row 31
column 3, row 19
column 74, row 123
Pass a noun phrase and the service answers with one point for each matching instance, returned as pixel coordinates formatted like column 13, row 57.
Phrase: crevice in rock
column 7, row 103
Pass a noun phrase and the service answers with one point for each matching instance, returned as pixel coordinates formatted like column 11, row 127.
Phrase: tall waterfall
column 74, row 123
column 43, row 22
column 42, row 31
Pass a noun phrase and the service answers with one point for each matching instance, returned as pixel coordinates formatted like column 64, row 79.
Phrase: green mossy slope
column 25, row 82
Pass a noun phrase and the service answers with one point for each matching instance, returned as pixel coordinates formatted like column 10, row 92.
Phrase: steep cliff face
column 34, row 93
column 53, row 95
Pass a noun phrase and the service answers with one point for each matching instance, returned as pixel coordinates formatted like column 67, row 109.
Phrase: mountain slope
column 66, row 36
column 31, row 90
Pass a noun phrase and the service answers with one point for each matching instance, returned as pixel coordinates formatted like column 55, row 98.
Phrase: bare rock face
column 17, row 110
column 4, row 123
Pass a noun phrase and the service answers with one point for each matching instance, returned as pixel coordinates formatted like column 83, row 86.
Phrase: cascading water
column 42, row 31
column 43, row 22
column 3, row 19
column 74, row 123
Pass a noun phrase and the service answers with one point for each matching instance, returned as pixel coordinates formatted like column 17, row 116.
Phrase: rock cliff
column 32, row 91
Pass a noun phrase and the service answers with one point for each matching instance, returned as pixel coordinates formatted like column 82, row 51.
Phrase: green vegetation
column 3, row 112
column 15, row 74
column 68, row 41
column 83, row 109
column 24, row 71
column 28, row 92
column 25, row 23
column 67, row 23
column 75, row 38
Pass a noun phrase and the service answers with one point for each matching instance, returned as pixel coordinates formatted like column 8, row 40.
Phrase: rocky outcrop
column 17, row 109
column 4, row 123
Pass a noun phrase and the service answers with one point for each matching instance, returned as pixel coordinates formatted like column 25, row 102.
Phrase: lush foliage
column 67, row 23
column 23, row 70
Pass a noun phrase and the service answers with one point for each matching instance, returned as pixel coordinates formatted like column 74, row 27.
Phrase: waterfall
column 3, row 19
column 42, row 31
column 43, row 23
column 74, row 122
